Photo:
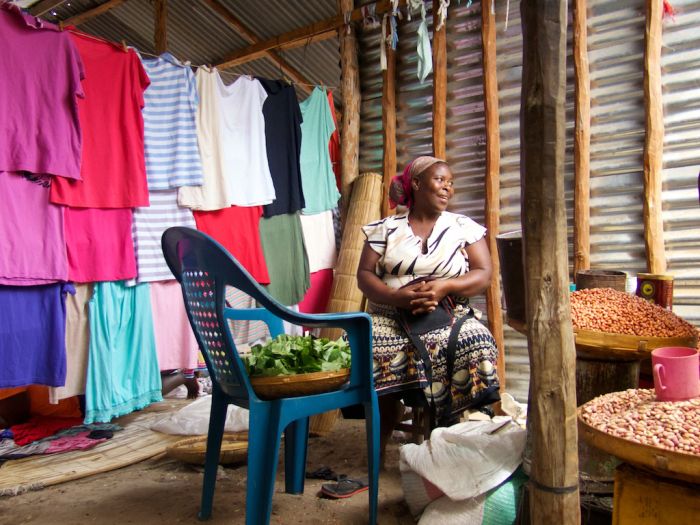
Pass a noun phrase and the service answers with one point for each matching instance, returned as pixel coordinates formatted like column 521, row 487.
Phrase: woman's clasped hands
column 422, row 297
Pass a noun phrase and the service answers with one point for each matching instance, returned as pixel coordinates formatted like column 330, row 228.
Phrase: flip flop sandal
column 344, row 488
column 323, row 473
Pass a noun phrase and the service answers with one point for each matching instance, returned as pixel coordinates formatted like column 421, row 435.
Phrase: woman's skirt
column 398, row 366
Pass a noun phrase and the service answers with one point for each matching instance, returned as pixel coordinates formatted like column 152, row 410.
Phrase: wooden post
column 350, row 94
column 553, row 486
column 388, row 125
column 582, row 141
column 439, row 88
column 654, row 140
column 160, row 16
column 492, row 182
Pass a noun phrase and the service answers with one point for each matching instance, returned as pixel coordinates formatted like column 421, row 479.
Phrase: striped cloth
column 172, row 154
column 148, row 227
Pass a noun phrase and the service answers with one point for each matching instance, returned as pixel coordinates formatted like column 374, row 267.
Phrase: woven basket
column 234, row 449
column 275, row 387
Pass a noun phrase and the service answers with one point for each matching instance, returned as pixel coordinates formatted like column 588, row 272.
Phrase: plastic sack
column 461, row 462
column 193, row 420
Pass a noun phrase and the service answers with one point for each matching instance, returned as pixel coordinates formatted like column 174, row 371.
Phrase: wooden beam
column 317, row 31
column 83, row 17
column 492, row 180
column 582, row 140
column 160, row 16
column 388, row 126
column 654, row 140
column 553, row 486
column 439, row 89
column 350, row 94
column 45, row 6
column 293, row 73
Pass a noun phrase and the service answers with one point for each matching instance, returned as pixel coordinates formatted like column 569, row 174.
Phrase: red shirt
column 113, row 168
column 238, row 229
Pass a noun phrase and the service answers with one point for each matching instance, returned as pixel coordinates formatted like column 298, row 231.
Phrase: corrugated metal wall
column 681, row 213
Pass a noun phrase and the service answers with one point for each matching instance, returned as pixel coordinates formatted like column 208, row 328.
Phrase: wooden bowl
column 234, row 449
column 602, row 344
column 276, row 387
column 677, row 465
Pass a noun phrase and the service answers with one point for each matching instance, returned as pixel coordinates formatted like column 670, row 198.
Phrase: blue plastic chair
column 204, row 268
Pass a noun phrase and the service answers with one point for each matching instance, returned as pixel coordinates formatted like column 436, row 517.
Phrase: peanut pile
column 607, row 310
column 635, row 415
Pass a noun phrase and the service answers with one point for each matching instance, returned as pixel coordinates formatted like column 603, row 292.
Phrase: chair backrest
column 204, row 268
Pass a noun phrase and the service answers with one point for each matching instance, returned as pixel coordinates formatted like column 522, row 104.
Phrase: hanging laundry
column 100, row 246
column 231, row 135
column 113, row 169
column 123, row 373
column 32, row 238
column 148, row 227
column 172, row 153
column 316, row 299
column 318, row 181
column 39, row 90
column 244, row 332
column 283, row 145
column 319, row 239
column 334, row 144
column 237, row 229
column 423, row 50
column 32, row 335
column 287, row 263
column 77, row 342
column 176, row 345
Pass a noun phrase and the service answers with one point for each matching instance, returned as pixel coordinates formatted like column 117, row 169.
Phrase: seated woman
column 450, row 250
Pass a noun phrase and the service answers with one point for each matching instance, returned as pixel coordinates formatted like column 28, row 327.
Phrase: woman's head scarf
column 400, row 190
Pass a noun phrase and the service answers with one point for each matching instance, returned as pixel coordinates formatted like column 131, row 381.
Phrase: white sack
column 193, row 420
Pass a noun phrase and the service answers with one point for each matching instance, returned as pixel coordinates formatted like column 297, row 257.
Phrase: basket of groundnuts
column 635, row 427
column 619, row 324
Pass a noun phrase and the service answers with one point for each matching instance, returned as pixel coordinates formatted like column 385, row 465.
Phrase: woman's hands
column 423, row 297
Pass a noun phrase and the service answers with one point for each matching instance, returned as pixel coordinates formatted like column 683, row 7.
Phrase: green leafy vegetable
column 293, row 354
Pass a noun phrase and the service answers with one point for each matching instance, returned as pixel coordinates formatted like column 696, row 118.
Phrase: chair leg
column 211, row 462
column 295, row 444
column 263, row 452
column 372, row 425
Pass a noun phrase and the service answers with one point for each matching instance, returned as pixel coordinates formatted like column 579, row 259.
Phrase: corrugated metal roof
column 197, row 34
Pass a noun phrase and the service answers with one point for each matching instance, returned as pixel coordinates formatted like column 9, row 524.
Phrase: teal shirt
column 317, row 178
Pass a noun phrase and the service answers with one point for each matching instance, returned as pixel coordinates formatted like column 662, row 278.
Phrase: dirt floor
column 164, row 490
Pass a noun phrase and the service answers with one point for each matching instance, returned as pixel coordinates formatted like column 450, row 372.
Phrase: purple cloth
column 32, row 242
column 32, row 335
column 40, row 74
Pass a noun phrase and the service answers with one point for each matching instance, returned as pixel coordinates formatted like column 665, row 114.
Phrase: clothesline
column 223, row 72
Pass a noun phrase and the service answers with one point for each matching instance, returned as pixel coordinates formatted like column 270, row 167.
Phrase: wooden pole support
column 388, row 126
column 582, row 140
column 439, row 89
column 654, row 140
column 83, row 17
column 350, row 94
column 553, row 485
column 160, row 16
column 492, row 182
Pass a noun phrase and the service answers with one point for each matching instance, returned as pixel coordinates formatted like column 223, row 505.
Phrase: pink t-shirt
column 100, row 246
column 39, row 87
column 32, row 243
column 175, row 341
column 113, row 162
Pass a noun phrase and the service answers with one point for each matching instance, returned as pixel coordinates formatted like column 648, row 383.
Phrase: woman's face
column 434, row 187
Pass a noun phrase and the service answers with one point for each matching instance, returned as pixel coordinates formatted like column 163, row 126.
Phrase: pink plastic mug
column 676, row 373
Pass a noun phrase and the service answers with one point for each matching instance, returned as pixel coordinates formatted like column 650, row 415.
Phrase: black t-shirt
column 283, row 141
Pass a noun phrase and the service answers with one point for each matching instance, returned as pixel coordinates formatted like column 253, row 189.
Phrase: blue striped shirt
column 172, row 153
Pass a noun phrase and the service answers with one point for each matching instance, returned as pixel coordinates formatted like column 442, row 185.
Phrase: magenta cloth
column 100, row 245
column 39, row 427
column 32, row 242
column 76, row 442
column 316, row 299
column 39, row 86
column 175, row 342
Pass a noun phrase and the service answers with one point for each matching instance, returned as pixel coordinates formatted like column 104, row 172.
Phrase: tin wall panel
column 681, row 212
